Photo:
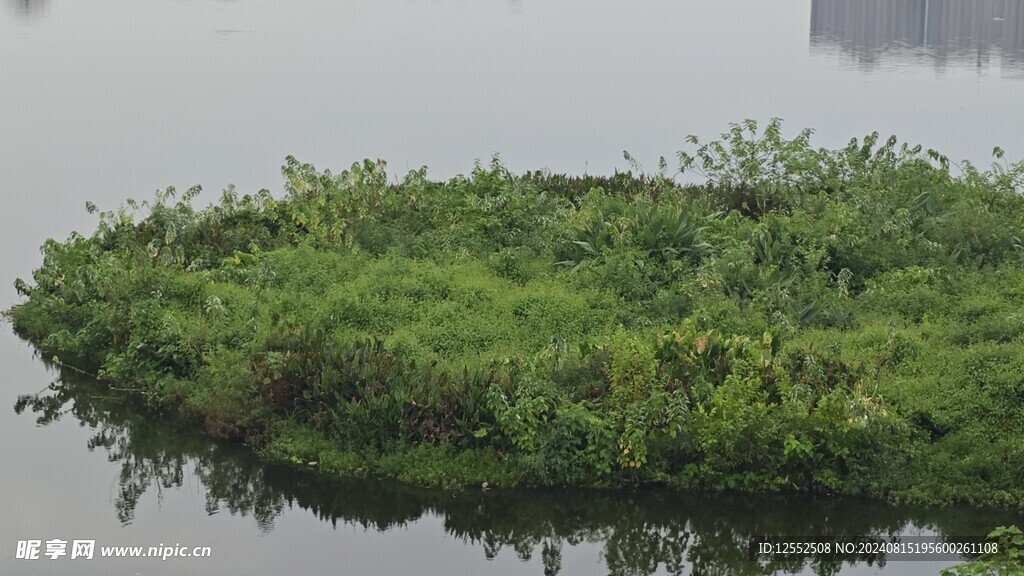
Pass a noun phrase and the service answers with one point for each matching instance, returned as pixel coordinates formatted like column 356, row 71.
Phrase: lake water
column 110, row 99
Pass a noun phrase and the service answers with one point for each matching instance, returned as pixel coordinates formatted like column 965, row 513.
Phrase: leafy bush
column 842, row 321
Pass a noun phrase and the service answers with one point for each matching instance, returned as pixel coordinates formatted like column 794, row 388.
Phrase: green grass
column 805, row 320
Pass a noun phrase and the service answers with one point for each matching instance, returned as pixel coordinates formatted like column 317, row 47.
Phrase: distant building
column 959, row 33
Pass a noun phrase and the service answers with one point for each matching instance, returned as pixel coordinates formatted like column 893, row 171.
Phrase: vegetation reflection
column 641, row 531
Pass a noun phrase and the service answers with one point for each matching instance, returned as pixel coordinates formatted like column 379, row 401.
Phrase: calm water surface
column 108, row 99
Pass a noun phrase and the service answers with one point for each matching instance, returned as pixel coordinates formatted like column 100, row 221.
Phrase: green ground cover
column 841, row 321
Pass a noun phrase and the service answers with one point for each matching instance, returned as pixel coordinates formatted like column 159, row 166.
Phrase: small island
column 781, row 318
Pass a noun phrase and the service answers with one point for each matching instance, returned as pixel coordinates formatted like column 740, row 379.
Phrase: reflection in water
column 967, row 33
column 641, row 532
column 28, row 7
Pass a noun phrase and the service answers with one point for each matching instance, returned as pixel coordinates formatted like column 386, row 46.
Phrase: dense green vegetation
column 840, row 321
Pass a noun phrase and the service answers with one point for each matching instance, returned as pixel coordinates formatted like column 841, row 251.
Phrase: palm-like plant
column 593, row 237
column 669, row 234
